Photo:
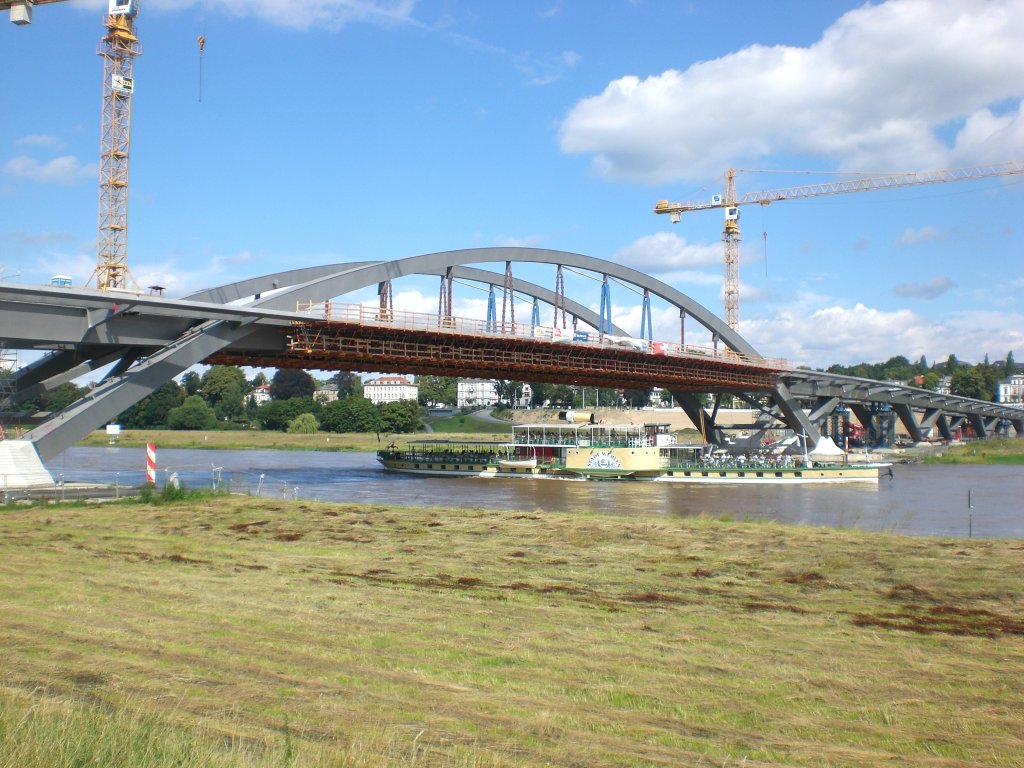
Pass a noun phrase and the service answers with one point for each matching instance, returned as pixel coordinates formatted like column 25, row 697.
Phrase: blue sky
column 337, row 130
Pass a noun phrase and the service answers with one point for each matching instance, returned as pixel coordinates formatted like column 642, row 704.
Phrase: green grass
column 243, row 440
column 992, row 451
column 468, row 424
column 252, row 632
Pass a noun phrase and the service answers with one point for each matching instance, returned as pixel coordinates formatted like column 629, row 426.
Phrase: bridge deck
column 450, row 351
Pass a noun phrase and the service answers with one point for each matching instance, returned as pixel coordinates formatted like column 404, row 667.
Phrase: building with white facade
column 260, row 394
column 477, row 393
column 1011, row 390
column 523, row 396
column 328, row 393
column 390, row 389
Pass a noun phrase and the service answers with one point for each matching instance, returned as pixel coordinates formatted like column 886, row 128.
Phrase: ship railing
column 755, row 461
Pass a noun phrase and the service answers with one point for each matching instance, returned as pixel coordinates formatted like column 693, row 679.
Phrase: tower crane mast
column 119, row 47
column 731, row 204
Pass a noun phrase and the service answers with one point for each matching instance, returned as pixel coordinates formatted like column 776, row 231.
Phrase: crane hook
column 201, row 41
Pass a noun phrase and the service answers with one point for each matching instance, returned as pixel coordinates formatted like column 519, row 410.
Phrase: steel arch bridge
column 151, row 339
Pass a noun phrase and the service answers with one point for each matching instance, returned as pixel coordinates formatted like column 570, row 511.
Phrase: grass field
column 992, row 451
column 248, row 632
column 467, row 423
column 240, row 440
column 460, row 426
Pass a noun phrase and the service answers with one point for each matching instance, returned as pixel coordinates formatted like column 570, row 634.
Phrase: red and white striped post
column 151, row 463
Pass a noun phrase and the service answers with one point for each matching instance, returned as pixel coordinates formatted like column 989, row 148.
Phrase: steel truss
column 327, row 345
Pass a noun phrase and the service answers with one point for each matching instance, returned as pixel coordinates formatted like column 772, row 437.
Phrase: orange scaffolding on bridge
column 361, row 338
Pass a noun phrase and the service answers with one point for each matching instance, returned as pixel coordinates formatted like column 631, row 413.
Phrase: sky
column 323, row 131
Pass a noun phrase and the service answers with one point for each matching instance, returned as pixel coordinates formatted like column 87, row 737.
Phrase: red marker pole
column 151, row 463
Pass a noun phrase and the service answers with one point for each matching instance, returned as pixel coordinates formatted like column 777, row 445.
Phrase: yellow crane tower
column 731, row 204
column 119, row 47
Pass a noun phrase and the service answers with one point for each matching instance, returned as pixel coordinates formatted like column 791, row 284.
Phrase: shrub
column 303, row 424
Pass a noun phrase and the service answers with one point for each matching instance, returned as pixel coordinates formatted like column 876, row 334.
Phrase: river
column 939, row 500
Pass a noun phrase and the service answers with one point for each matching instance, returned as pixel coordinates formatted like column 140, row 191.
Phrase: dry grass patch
column 268, row 633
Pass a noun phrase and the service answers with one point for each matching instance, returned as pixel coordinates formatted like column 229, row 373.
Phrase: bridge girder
column 171, row 335
column 314, row 284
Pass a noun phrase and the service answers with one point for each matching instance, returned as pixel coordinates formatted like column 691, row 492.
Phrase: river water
column 946, row 500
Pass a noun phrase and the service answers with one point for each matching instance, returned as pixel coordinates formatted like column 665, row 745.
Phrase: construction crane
column 118, row 47
column 731, row 204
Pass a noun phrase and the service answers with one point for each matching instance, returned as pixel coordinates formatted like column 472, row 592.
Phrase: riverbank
column 257, row 440
column 251, row 632
column 992, row 451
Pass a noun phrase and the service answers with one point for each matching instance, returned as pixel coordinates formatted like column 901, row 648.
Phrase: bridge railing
column 370, row 315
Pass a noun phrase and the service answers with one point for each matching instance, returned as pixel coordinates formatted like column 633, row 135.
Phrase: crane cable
column 764, row 236
column 201, row 41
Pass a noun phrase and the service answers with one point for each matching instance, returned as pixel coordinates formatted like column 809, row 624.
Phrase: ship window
column 430, row 466
column 671, row 474
column 703, row 474
column 760, row 474
column 721, row 474
column 444, row 466
column 778, row 474
column 417, row 466
column 799, row 474
column 743, row 474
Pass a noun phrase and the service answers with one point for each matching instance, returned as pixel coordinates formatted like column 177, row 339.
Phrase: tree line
column 980, row 381
column 222, row 397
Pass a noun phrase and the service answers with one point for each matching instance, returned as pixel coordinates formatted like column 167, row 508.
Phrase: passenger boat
column 647, row 452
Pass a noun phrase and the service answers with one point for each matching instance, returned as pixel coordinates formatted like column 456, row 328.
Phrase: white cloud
column 66, row 170
column 518, row 241
column 876, row 92
column 39, row 140
column 36, row 239
column 818, row 336
column 911, row 236
column 929, row 289
column 178, row 279
column 668, row 252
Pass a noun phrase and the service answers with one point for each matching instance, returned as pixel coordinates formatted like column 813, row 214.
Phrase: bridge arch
column 348, row 277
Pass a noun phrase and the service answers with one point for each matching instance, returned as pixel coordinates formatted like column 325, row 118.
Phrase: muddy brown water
column 947, row 500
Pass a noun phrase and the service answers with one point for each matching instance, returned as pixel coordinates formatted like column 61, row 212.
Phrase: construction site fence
column 372, row 316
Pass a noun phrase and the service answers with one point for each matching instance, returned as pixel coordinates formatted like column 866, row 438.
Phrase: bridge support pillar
column 942, row 423
column 794, row 415
column 114, row 395
column 701, row 419
column 906, row 416
column 824, row 407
